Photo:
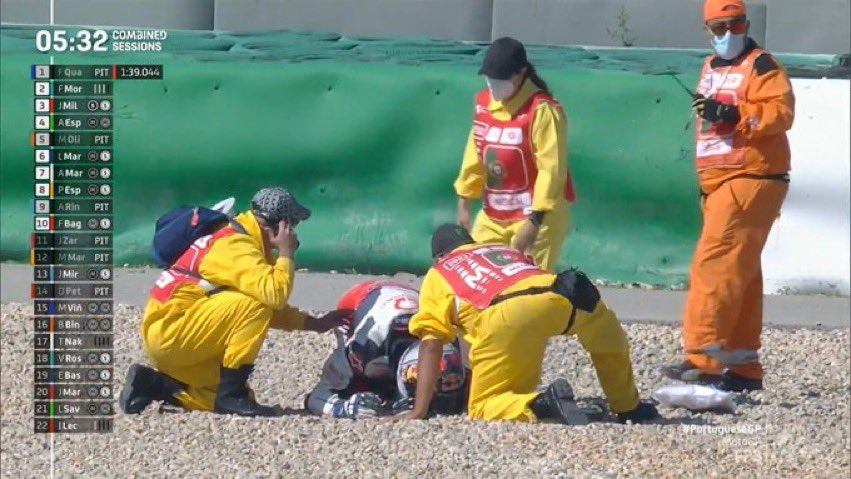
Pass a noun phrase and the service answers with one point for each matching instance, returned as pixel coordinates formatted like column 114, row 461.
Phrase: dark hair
column 539, row 82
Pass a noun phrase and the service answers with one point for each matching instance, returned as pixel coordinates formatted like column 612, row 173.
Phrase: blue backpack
column 178, row 229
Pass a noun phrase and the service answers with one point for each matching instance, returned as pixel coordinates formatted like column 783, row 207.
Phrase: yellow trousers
column 508, row 353
column 226, row 329
column 548, row 245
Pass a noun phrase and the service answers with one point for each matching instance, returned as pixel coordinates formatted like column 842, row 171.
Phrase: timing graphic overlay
column 72, row 243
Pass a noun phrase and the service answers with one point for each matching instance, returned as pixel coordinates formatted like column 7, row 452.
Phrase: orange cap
column 715, row 9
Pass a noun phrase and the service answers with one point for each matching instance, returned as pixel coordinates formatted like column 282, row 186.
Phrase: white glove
column 402, row 406
column 358, row 406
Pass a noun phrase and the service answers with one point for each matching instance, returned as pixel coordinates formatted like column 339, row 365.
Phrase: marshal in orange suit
column 744, row 106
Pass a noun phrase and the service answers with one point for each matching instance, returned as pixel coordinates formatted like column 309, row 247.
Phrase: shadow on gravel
column 678, row 421
column 597, row 410
column 288, row 411
column 745, row 400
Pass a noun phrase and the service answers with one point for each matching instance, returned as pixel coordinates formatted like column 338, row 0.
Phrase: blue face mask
column 729, row 46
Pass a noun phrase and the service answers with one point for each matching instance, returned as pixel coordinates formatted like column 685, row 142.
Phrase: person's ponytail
column 539, row 82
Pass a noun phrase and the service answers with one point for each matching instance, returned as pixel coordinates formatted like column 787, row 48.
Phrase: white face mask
column 500, row 89
column 729, row 46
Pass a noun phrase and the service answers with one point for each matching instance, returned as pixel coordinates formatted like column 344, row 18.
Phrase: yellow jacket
column 441, row 311
column 549, row 141
column 238, row 262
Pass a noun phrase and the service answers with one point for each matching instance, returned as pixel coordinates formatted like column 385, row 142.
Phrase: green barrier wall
column 369, row 134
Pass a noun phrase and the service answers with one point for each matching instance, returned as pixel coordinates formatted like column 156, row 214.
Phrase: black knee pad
column 575, row 286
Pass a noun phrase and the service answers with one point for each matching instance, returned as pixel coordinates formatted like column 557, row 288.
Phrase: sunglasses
column 736, row 26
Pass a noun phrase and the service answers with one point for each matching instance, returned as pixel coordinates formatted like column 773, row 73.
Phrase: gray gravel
column 799, row 427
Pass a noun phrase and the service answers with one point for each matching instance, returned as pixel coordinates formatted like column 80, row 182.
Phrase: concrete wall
column 807, row 251
column 169, row 14
column 458, row 19
column 25, row 11
column 662, row 23
column 792, row 26
column 815, row 26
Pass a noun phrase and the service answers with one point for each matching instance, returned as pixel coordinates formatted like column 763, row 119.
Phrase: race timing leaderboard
column 72, row 243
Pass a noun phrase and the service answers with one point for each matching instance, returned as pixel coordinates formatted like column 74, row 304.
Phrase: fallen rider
column 373, row 369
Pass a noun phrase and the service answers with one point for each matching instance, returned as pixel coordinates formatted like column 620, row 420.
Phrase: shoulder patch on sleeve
column 553, row 107
column 541, row 104
column 764, row 64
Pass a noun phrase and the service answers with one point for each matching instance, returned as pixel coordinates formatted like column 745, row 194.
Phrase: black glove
column 713, row 111
column 644, row 412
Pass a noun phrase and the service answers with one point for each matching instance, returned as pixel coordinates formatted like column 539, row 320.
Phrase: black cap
column 277, row 204
column 506, row 56
column 447, row 237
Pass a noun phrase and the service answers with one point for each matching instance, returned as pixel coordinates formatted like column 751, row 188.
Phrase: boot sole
column 594, row 413
column 127, row 392
column 695, row 376
column 571, row 414
column 740, row 387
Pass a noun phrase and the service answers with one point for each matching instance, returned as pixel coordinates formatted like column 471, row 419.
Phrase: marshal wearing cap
column 718, row 9
column 447, row 237
column 506, row 57
column 277, row 204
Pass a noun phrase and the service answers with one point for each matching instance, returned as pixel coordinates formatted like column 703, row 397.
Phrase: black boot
column 736, row 383
column 143, row 385
column 556, row 402
column 643, row 412
column 234, row 397
column 687, row 372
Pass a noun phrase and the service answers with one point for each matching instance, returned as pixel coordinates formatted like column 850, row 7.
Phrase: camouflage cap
column 276, row 204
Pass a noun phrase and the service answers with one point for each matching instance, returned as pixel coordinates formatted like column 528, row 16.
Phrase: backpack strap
column 210, row 288
column 523, row 292
column 238, row 227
